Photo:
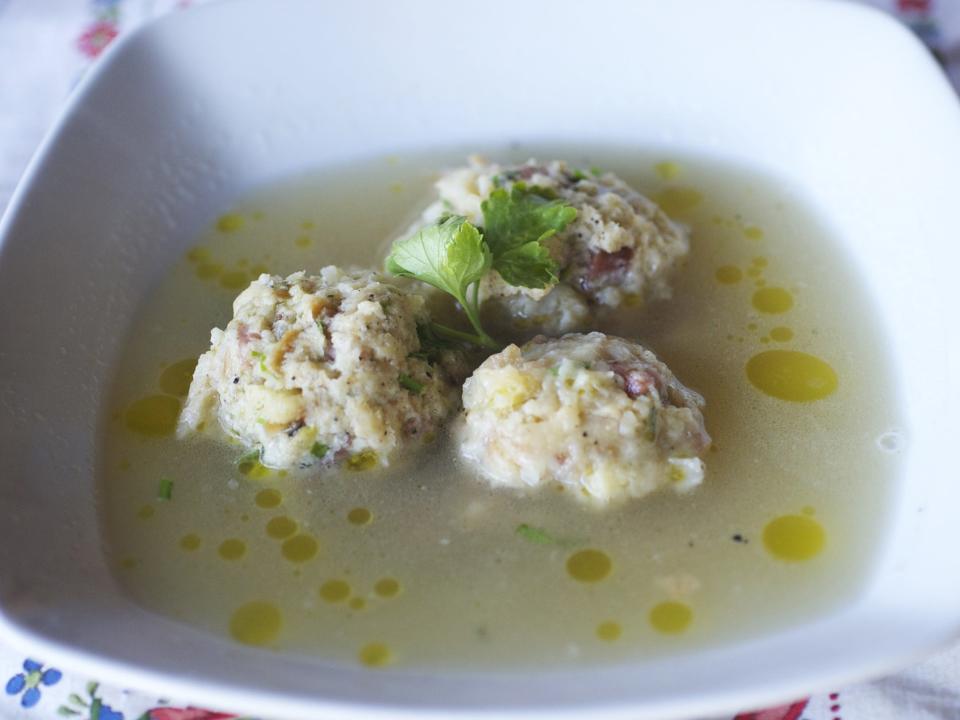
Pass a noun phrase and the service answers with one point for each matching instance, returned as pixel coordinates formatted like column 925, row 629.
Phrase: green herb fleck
column 579, row 174
column 555, row 370
column 595, row 171
column 319, row 450
column 535, row 535
column 410, row 384
column 515, row 225
column 263, row 361
column 165, row 490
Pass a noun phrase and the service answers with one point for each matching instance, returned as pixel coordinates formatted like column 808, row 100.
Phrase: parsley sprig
column 453, row 256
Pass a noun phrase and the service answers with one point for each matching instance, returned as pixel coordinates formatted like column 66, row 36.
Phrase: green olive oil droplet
column 589, row 566
column 334, row 591
column 728, row 274
column 667, row 170
column 300, row 548
column 363, row 460
column 677, row 200
column 281, row 527
column 387, row 588
column 176, row 378
column 231, row 222
column 206, row 271
column 671, row 618
column 752, row 232
column 232, row 549
column 773, row 300
column 792, row 375
column 154, row 416
column 268, row 498
column 235, row 279
column 794, row 538
column 190, row 542
column 360, row 516
column 256, row 623
column 357, row 603
column 375, row 655
column 609, row 631
column 781, row 334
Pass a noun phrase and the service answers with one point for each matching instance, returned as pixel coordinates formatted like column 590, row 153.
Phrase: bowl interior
column 194, row 111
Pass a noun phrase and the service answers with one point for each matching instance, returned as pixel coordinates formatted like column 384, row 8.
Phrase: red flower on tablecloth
column 96, row 37
column 189, row 713
column 783, row 712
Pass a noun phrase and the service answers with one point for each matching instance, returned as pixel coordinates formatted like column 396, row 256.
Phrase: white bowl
column 188, row 114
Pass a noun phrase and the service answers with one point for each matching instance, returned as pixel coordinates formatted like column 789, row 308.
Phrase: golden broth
column 424, row 564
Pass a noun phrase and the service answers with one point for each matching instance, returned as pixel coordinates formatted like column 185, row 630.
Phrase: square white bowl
column 185, row 116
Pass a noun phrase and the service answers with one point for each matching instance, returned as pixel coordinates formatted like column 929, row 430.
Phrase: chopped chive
column 579, row 174
column 555, row 370
column 165, row 490
column 534, row 535
column 595, row 171
column 319, row 450
column 263, row 361
column 410, row 384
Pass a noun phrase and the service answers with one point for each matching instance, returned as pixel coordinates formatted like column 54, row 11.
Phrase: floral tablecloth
column 45, row 47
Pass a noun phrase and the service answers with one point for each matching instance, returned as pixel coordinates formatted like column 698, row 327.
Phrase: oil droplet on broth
column 387, row 588
column 791, row 375
column 781, row 334
column 589, row 566
column 375, row 655
column 609, row 630
column 359, row 516
column 300, row 548
column 207, row 271
column 231, row 222
column 281, row 527
column 728, row 275
column 752, row 232
column 235, row 280
column 677, row 200
column 334, row 591
column 268, row 498
column 176, row 378
column 303, row 241
column 794, row 538
column 198, row 254
column 671, row 617
column 256, row 623
column 155, row 415
column 667, row 170
column 363, row 460
column 772, row 300
column 357, row 603
column 146, row 512
column 190, row 542
column 232, row 549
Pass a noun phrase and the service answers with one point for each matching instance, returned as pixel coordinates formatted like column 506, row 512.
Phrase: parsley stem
column 483, row 339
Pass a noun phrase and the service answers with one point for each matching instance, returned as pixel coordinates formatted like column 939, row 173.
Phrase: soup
column 423, row 563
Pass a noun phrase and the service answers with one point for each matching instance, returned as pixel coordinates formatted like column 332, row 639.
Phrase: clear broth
column 473, row 588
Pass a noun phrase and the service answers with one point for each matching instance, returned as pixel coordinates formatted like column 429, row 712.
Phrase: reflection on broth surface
column 422, row 563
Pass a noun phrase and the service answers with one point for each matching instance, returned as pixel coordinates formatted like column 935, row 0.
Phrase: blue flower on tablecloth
column 29, row 681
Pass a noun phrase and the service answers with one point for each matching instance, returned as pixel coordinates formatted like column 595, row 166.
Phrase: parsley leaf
column 515, row 225
column 535, row 535
column 451, row 256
